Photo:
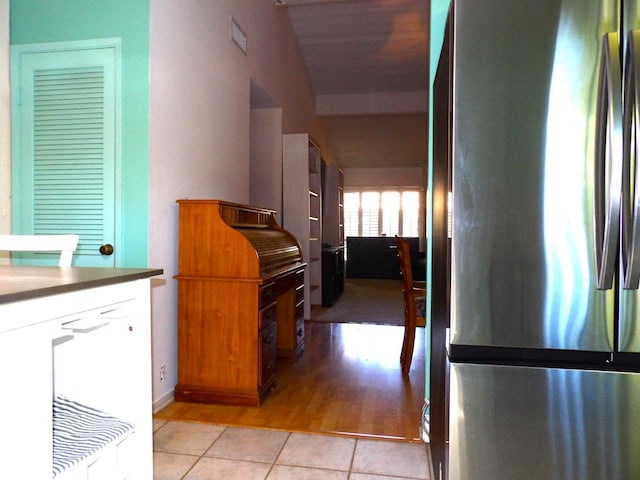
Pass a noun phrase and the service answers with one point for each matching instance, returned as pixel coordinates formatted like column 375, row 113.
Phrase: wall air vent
column 238, row 36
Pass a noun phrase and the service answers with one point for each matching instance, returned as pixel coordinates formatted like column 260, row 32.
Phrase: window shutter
column 68, row 140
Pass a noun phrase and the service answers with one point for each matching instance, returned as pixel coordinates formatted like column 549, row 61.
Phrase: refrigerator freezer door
column 524, row 106
column 629, row 329
column 547, row 424
column 629, row 301
column 608, row 161
column 630, row 255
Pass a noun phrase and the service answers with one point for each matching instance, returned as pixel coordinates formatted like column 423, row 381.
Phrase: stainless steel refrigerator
column 535, row 321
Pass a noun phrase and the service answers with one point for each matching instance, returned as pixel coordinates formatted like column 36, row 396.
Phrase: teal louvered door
column 65, row 148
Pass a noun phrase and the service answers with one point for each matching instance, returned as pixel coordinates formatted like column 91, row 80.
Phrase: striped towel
column 79, row 431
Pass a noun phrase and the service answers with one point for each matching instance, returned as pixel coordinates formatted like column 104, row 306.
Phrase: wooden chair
column 414, row 294
column 65, row 244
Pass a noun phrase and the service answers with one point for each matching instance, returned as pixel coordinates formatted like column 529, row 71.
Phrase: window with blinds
column 370, row 214
column 382, row 213
column 351, row 213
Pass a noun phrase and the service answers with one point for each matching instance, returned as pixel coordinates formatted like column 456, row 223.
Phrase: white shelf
column 302, row 208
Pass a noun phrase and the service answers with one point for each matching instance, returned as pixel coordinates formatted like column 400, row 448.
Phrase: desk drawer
column 299, row 293
column 267, row 368
column 299, row 331
column 268, row 338
column 300, row 310
column 268, row 294
column 267, row 316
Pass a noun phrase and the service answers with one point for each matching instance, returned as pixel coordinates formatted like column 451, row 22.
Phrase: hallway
column 347, row 382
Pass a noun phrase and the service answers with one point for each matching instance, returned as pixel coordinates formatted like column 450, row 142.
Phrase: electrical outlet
column 163, row 372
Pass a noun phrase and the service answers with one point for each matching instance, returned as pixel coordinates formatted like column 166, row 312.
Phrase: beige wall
column 384, row 177
column 266, row 159
column 200, row 125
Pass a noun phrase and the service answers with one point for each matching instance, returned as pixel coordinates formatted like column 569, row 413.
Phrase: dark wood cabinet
column 376, row 257
column 332, row 275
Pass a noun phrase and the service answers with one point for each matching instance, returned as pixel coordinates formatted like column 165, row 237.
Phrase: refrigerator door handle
column 631, row 169
column 447, row 342
column 608, row 161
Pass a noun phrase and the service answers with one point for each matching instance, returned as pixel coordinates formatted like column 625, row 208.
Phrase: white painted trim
column 163, row 401
column 5, row 125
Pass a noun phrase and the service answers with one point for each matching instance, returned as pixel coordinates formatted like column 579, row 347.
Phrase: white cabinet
column 25, row 403
column 91, row 346
column 302, row 208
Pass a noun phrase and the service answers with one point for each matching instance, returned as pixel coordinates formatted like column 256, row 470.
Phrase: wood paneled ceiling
column 368, row 65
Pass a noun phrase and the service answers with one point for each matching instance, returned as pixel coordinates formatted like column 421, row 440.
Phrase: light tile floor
column 197, row 451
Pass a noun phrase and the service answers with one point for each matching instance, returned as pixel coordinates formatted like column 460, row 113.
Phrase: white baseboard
column 163, row 401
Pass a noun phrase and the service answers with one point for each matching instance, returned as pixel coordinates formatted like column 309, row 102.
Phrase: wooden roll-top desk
column 240, row 301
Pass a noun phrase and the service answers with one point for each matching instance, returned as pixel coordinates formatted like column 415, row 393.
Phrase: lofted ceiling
column 368, row 64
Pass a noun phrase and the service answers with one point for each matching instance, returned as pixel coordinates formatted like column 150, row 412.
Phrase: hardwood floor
column 348, row 382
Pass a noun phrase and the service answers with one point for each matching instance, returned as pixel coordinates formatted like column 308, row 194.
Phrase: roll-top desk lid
column 233, row 240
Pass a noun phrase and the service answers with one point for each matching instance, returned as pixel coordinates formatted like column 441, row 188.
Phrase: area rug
column 365, row 300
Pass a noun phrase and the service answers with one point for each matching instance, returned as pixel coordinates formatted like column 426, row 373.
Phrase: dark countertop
column 23, row 282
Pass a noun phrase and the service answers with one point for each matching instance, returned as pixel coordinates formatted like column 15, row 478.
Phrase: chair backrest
column 410, row 318
column 65, row 244
column 404, row 258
